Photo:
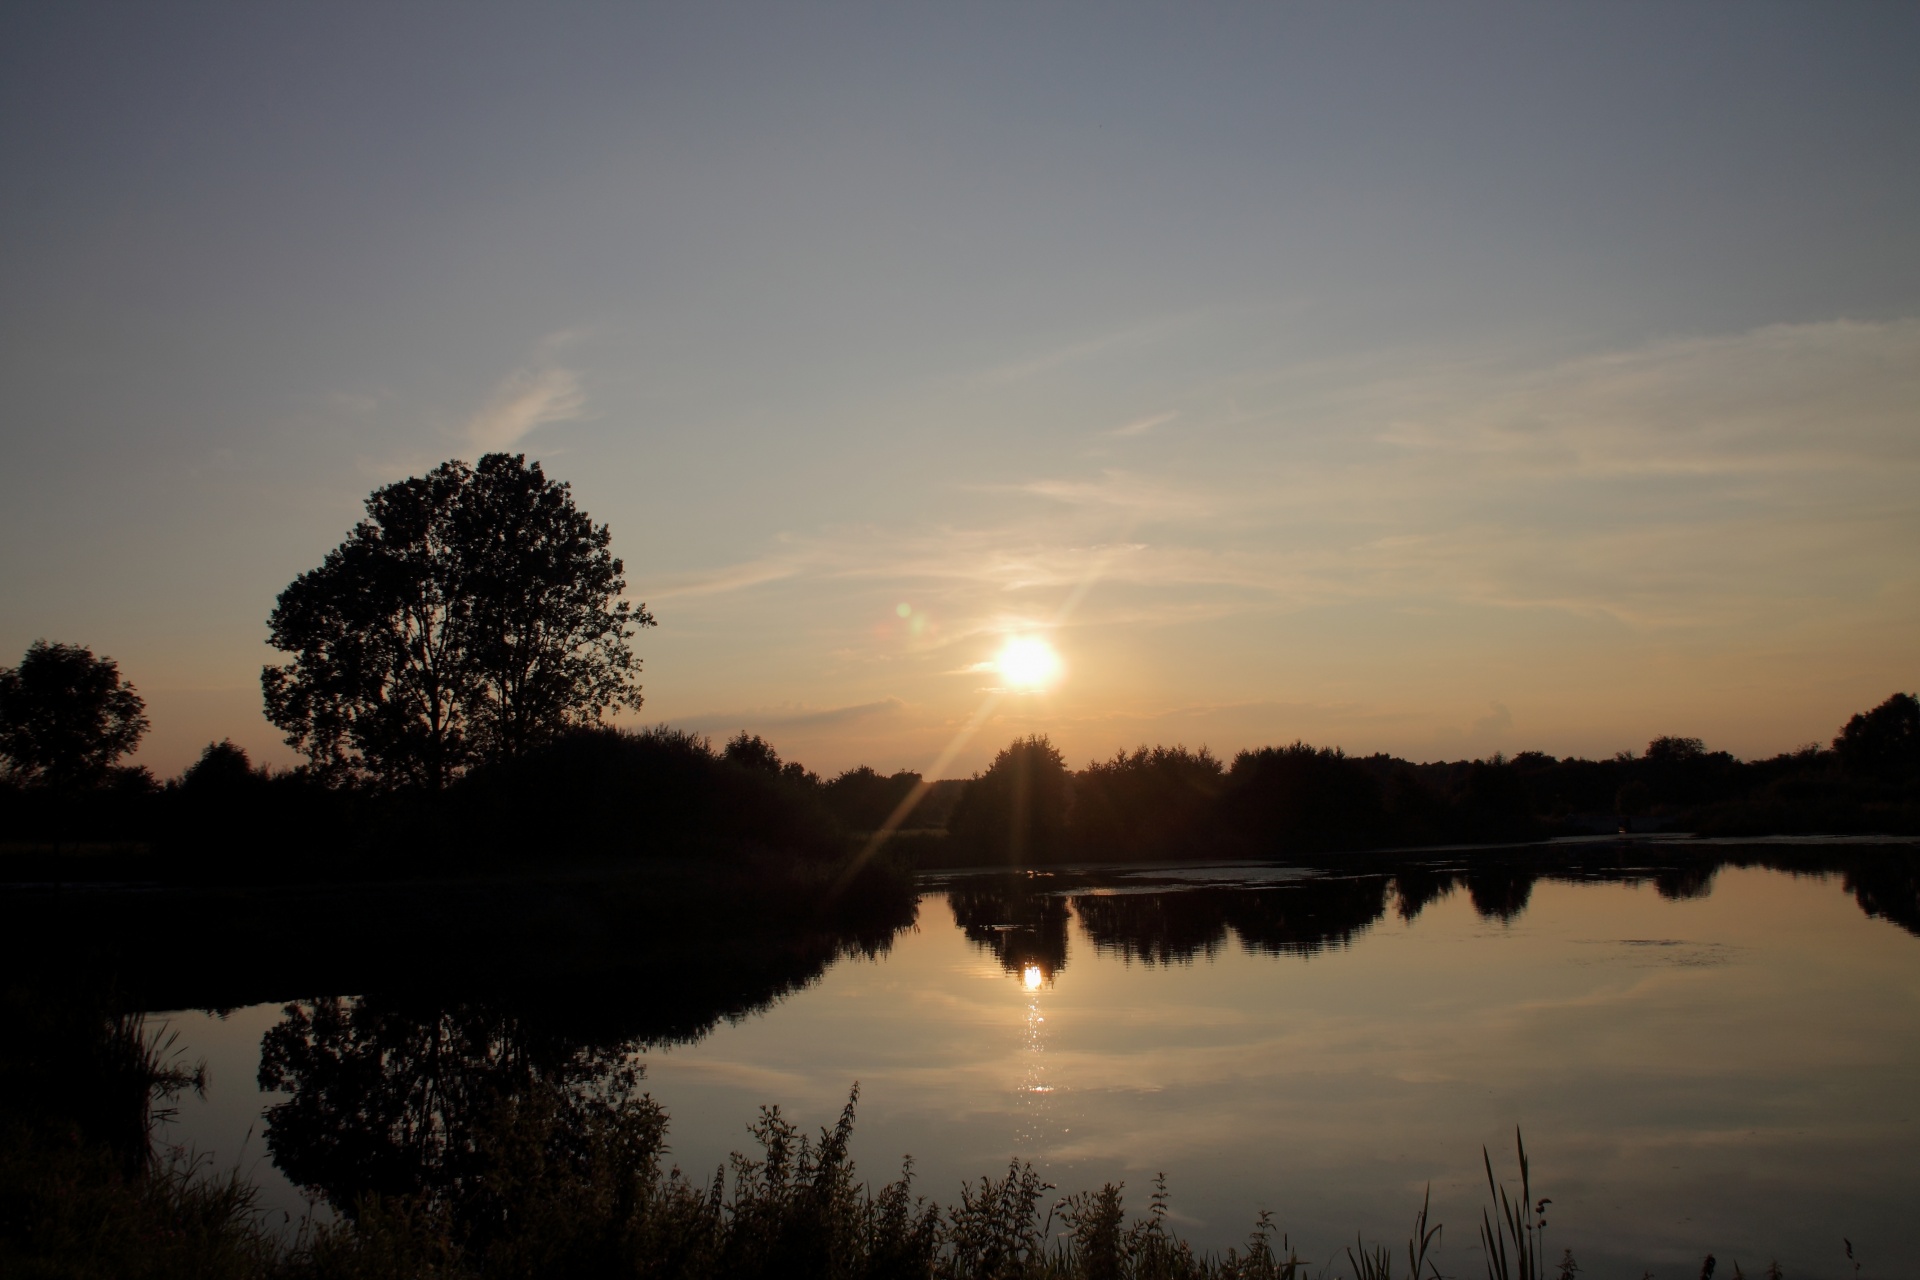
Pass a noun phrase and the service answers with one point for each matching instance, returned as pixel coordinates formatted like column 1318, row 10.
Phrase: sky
column 1440, row 379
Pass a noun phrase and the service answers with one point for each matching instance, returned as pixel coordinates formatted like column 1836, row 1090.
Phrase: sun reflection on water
column 1037, row 1127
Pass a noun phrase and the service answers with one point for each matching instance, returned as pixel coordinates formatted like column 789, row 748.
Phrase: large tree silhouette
column 66, row 716
column 473, row 614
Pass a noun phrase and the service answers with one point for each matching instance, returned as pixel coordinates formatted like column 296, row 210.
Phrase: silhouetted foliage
column 1017, row 810
column 1282, row 801
column 66, row 717
column 1153, row 803
column 1885, row 741
column 473, row 615
column 222, row 770
column 659, row 792
column 862, row 799
column 594, row 792
column 751, row 751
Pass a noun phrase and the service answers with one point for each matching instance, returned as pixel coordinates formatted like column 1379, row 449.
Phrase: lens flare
column 1031, row 977
column 1028, row 664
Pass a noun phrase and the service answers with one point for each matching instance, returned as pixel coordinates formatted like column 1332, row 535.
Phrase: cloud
column 528, row 399
column 1141, row 426
column 1139, row 497
column 1785, row 397
column 1114, row 341
column 727, row 579
column 788, row 718
column 1730, row 481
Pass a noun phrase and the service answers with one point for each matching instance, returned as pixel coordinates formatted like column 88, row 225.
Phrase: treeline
column 1170, row 802
column 587, row 793
column 604, row 792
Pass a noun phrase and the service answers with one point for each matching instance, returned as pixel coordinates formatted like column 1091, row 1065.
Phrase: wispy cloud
column 1691, row 483
column 790, row 717
column 1082, row 349
column 1141, row 426
column 527, row 399
column 727, row 578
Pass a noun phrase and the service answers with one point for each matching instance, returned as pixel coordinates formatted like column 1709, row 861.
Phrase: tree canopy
column 66, row 716
column 473, row 614
column 1883, row 740
column 1017, row 809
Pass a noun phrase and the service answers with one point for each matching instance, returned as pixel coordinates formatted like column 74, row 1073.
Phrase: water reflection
column 1036, row 1124
column 1022, row 925
column 1168, row 917
column 393, row 1092
column 386, row 1092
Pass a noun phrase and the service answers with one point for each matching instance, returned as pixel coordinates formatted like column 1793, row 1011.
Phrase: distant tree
column 751, row 751
column 1017, row 809
column 1299, row 799
column 863, row 799
column 473, row 614
column 222, row 767
column 1883, row 740
column 1153, row 802
column 1671, row 750
column 66, row 716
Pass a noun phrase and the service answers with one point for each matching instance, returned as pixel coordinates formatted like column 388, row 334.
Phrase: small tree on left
column 66, row 717
column 472, row 615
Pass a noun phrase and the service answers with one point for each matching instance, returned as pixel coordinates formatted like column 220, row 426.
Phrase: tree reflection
column 1022, row 927
column 408, row 1093
column 1154, row 928
column 387, row 1097
column 1301, row 918
column 1501, row 891
column 1137, row 917
column 1417, row 888
column 1308, row 916
column 1888, row 888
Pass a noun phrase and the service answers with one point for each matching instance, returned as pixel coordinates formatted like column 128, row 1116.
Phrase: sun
column 1028, row 664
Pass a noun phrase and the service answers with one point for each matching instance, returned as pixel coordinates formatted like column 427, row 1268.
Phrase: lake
column 1706, row 1050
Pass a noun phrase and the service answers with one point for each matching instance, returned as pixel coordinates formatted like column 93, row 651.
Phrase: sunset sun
column 1028, row 664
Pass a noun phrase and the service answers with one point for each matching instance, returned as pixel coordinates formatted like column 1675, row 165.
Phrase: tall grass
column 561, row 1192
column 1512, row 1231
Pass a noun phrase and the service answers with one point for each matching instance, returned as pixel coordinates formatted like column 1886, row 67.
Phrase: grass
column 566, row 1189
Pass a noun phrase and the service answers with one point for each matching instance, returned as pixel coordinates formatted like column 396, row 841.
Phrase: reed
column 1511, row 1230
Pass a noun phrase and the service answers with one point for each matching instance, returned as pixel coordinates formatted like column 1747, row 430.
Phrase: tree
column 1151, row 803
column 1017, row 809
column 1885, row 740
column 472, row 615
column 66, row 716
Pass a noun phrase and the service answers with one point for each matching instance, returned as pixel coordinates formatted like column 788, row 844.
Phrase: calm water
column 1716, row 1058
